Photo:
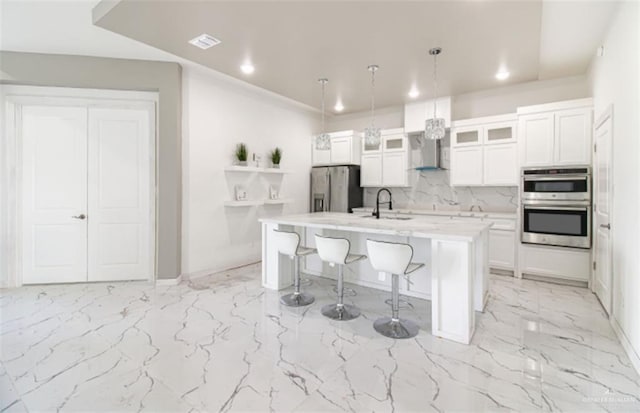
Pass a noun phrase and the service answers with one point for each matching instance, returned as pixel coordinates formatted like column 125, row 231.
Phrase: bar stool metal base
column 399, row 328
column 297, row 299
column 343, row 312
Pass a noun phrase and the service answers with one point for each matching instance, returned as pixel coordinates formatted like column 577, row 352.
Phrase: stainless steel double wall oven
column 556, row 206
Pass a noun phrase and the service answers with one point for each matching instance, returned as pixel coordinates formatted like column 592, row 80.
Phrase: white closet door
column 119, row 194
column 54, row 191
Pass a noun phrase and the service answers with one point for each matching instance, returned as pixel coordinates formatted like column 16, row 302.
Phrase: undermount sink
column 392, row 218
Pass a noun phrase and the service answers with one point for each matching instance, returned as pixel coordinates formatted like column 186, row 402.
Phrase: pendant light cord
column 435, row 83
column 323, row 84
column 373, row 97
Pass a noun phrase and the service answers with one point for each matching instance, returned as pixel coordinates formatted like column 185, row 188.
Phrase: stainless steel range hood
column 430, row 152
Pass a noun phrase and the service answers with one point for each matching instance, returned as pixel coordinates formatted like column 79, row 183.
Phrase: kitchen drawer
column 555, row 262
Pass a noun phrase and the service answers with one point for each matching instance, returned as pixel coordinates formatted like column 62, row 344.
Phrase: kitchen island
column 455, row 277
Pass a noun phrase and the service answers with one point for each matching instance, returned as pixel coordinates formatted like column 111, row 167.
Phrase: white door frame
column 606, row 115
column 17, row 96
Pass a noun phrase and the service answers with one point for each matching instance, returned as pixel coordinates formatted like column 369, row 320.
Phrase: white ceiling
column 294, row 43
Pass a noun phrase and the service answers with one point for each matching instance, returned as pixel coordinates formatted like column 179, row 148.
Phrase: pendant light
column 323, row 141
column 372, row 134
column 434, row 127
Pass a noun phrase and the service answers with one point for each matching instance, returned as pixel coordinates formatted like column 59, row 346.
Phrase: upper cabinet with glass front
column 387, row 163
column 344, row 149
column 484, row 151
column 488, row 130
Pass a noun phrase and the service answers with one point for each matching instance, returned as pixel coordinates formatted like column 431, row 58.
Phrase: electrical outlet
column 381, row 276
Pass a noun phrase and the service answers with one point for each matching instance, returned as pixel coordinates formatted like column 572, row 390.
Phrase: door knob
column 81, row 216
column 607, row 226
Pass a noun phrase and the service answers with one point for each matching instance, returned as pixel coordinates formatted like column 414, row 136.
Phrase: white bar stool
column 288, row 243
column 393, row 258
column 335, row 251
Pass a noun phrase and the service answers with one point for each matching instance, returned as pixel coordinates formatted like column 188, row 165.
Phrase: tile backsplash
column 431, row 190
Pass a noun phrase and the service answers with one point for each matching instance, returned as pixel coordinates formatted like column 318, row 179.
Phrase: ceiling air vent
column 204, row 41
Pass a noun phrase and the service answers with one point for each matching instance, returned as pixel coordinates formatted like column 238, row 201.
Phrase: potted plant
column 276, row 156
column 241, row 154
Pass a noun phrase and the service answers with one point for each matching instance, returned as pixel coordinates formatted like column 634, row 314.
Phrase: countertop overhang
column 414, row 227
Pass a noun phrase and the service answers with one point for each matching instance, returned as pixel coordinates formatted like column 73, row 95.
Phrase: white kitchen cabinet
column 371, row 170
column 345, row 150
column 394, row 169
column 502, row 243
column 416, row 113
column 484, row 152
column 573, row 136
column 502, row 249
column 536, row 139
column 556, row 134
column 487, row 130
column 387, row 164
column 341, row 150
column 572, row 264
column 320, row 156
column 500, row 165
column 466, row 166
column 502, row 240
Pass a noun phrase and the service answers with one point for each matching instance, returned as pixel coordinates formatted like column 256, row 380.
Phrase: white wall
column 4, row 183
column 386, row 118
column 615, row 81
column 496, row 101
column 218, row 113
column 506, row 99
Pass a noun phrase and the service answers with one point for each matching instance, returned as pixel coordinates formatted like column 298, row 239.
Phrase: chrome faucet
column 376, row 212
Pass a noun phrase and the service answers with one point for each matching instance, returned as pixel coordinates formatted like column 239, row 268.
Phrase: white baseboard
column 233, row 270
column 169, row 281
column 628, row 348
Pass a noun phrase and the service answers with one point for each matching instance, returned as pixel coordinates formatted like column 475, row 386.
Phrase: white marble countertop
column 418, row 211
column 414, row 227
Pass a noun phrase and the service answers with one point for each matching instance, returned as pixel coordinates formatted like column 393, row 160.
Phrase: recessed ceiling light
column 502, row 75
column 414, row 93
column 204, row 41
column 247, row 68
column 339, row 107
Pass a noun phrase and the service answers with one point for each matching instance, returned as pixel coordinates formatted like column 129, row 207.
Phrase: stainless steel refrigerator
column 335, row 188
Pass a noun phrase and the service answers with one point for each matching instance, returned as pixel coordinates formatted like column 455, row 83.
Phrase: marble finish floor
column 223, row 343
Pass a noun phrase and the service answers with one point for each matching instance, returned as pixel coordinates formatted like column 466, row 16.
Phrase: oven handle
column 554, row 178
column 557, row 208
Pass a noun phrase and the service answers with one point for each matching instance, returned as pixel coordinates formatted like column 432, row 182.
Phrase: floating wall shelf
column 246, row 176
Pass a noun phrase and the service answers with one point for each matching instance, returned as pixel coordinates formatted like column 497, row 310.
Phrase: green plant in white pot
column 276, row 156
column 241, row 154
